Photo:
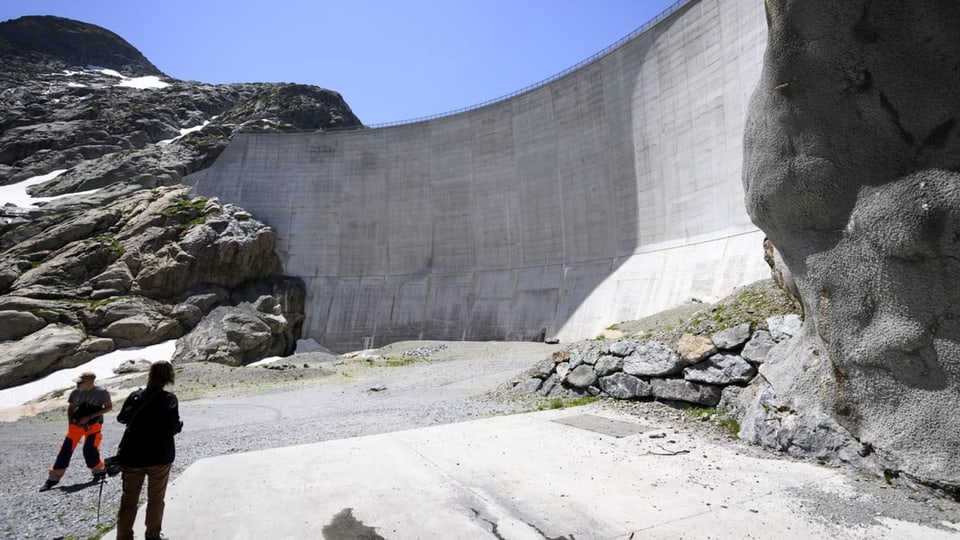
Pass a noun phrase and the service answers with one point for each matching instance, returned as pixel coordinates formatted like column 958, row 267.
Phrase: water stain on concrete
column 346, row 527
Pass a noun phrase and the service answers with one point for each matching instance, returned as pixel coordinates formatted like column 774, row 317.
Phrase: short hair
column 161, row 374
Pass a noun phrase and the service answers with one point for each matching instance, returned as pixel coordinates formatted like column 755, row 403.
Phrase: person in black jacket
column 147, row 450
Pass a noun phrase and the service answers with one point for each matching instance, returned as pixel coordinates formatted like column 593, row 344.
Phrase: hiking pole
column 99, row 497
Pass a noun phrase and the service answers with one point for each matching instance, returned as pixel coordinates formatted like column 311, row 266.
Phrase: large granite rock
column 46, row 349
column 241, row 334
column 852, row 169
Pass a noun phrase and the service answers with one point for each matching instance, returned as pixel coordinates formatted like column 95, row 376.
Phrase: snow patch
column 184, row 131
column 150, row 81
column 16, row 194
column 103, row 366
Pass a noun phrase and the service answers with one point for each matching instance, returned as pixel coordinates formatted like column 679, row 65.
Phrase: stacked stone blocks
column 696, row 371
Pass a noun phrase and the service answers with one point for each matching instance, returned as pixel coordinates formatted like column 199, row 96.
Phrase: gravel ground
column 319, row 397
column 227, row 410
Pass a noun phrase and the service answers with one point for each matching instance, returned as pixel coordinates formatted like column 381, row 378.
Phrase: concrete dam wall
column 610, row 193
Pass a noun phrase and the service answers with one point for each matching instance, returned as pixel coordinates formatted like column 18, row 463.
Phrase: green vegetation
column 192, row 223
column 701, row 412
column 563, row 403
column 102, row 529
column 183, row 205
column 752, row 304
column 94, row 304
column 189, row 211
column 732, row 425
column 889, row 476
column 402, row 361
column 109, row 240
column 204, row 139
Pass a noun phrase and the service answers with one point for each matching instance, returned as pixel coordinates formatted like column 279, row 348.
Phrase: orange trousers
column 90, row 433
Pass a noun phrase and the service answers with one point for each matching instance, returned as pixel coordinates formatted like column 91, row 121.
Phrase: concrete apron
column 562, row 474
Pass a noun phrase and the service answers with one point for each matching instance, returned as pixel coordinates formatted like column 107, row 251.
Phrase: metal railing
column 646, row 26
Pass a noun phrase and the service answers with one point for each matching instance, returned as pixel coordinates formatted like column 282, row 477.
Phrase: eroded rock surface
column 852, row 168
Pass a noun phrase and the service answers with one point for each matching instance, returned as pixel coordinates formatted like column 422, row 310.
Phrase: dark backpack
column 131, row 406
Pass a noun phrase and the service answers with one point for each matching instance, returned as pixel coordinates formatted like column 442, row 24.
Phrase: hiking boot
column 99, row 476
column 48, row 484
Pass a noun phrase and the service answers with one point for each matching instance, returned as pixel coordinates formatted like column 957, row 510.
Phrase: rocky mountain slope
column 130, row 258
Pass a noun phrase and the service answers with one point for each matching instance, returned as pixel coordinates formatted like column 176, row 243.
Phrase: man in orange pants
column 86, row 406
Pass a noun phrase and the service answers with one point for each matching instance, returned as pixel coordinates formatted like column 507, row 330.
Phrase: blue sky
column 390, row 60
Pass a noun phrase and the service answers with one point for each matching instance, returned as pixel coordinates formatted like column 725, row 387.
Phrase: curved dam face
column 608, row 194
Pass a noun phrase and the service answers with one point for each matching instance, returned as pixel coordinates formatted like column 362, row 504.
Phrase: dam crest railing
column 646, row 26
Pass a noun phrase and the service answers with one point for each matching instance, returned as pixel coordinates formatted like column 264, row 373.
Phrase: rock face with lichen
column 125, row 255
column 852, row 169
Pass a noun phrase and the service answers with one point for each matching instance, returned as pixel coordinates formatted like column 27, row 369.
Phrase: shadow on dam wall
column 608, row 193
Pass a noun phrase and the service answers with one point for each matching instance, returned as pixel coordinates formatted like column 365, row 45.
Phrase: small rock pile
column 424, row 352
column 696, row 371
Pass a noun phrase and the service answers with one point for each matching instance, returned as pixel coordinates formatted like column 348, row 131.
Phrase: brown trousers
column 133, row 477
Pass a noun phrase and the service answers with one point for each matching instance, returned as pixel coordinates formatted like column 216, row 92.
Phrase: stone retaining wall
column 698, row 370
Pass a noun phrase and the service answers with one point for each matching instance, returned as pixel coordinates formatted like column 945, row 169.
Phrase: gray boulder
column 133, row 322
column 623, row 386
column 39, row 353
column 236, row 336
column 721, row 369
column 653, row 359
column 17, row 324
column 851, row 169
column 550, row 387
column 757, row 349
column 686, row 391
column 784, row 327
column 585, row 353
column 115, row 280
column 731, row 338
column 777, row 424
column 141, row 330
column 623, row 347
column 531, row 385
column 542, row 369
column 581, row 376
column 607, row 364
column 132, row 366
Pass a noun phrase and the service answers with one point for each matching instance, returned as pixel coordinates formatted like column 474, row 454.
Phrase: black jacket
column 152, row 417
